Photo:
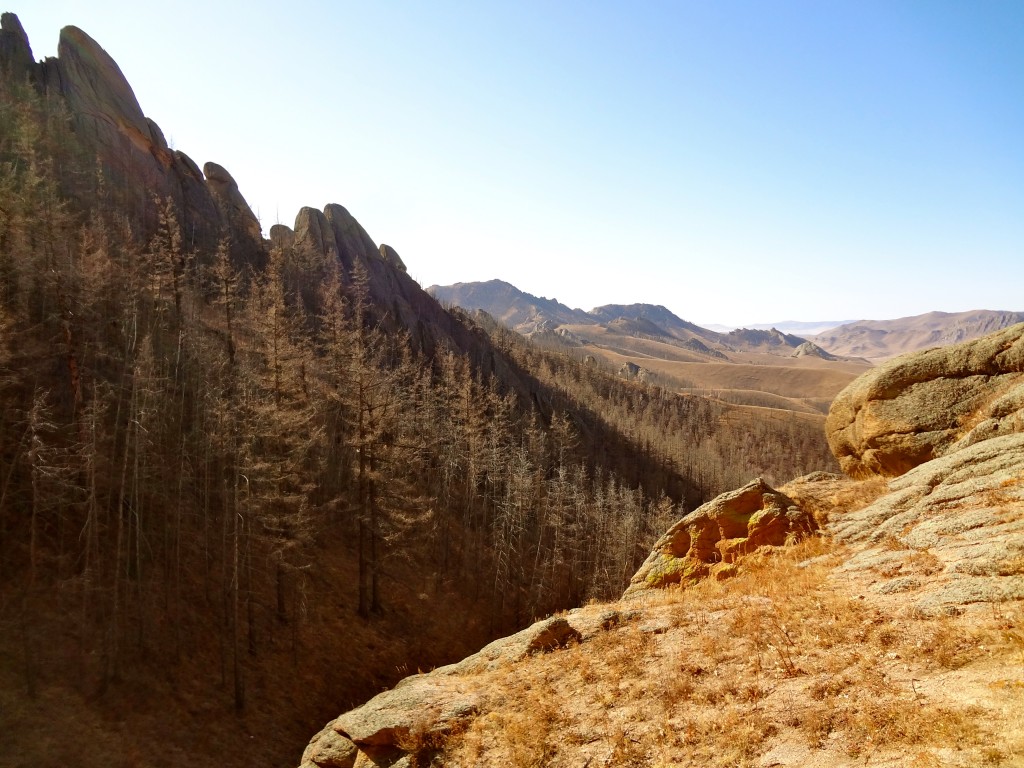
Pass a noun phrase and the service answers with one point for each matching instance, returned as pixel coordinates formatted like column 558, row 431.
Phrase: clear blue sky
column 738, row 162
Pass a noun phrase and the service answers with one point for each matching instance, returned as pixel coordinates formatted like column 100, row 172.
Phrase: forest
column 199, row 452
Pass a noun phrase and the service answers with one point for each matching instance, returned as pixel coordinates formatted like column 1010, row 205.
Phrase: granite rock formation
column 710, row 540
column 139, row 168
column 920, row 406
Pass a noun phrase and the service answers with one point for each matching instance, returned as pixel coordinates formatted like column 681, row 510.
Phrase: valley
column 265, row 501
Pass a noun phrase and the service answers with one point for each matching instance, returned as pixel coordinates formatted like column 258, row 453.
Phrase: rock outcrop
column 354, row 244
column 710, row 540
column 138, row 166
column 810, row 349
column 225, row 191
column 313, row 233
column 696, row 345
column 950, row 531
column 430, row 706
column 282, row 236
column 919, row 406
column 633, row 372
column 390, row 255
column 15, row 52
column 753, row 338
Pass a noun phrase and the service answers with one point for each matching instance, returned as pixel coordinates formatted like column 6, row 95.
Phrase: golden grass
column 715, row 673
column 831, row 499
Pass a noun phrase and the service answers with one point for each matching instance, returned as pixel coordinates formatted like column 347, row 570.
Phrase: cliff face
column 140, row 171
column 129, row 148
column 897, row 631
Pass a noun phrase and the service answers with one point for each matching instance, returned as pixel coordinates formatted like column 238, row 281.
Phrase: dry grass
column 716, row 673
column 859, row 494
column 826, row 500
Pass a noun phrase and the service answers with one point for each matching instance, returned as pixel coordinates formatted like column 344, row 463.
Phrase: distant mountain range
column 799, row 327
column 873, row 340
column 882, row 339
column 531, row 315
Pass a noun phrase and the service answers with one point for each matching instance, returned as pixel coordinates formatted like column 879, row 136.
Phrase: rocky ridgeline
column 141, row 171
column 945, row 534
column 130, row 149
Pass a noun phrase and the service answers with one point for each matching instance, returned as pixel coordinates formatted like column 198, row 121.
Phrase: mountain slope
column 894, row 634
column 508, row 305
column 746, row 367
column 882, row 339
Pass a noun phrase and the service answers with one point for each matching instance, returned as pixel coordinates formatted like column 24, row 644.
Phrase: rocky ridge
column 141, row 172
column 901, row 562
column 139, row 167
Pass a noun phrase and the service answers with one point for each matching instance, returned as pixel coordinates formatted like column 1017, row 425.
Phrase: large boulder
column 710, row 540
column 920, row 406
column 313, row 234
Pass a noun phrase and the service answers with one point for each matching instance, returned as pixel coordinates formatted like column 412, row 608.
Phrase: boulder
column 313, row 233
column 421, row 705
column 329, row 749
column 424, row 708
column 354, row 244
column 919, row 406
column 710, row 540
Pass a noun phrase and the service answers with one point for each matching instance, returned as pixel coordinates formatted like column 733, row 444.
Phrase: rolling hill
column 882, row 339
column 756, row 367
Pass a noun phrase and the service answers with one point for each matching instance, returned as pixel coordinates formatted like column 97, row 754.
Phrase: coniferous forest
column 240, row 482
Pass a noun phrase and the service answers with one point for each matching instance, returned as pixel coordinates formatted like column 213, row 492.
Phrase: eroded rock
column 960, row 515
column 429, row 706
column 920, row 406
column 15, row 51
column 710, row 540
column 390, row 255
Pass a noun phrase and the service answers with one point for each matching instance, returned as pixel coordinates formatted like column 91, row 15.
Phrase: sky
column 737, row 161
